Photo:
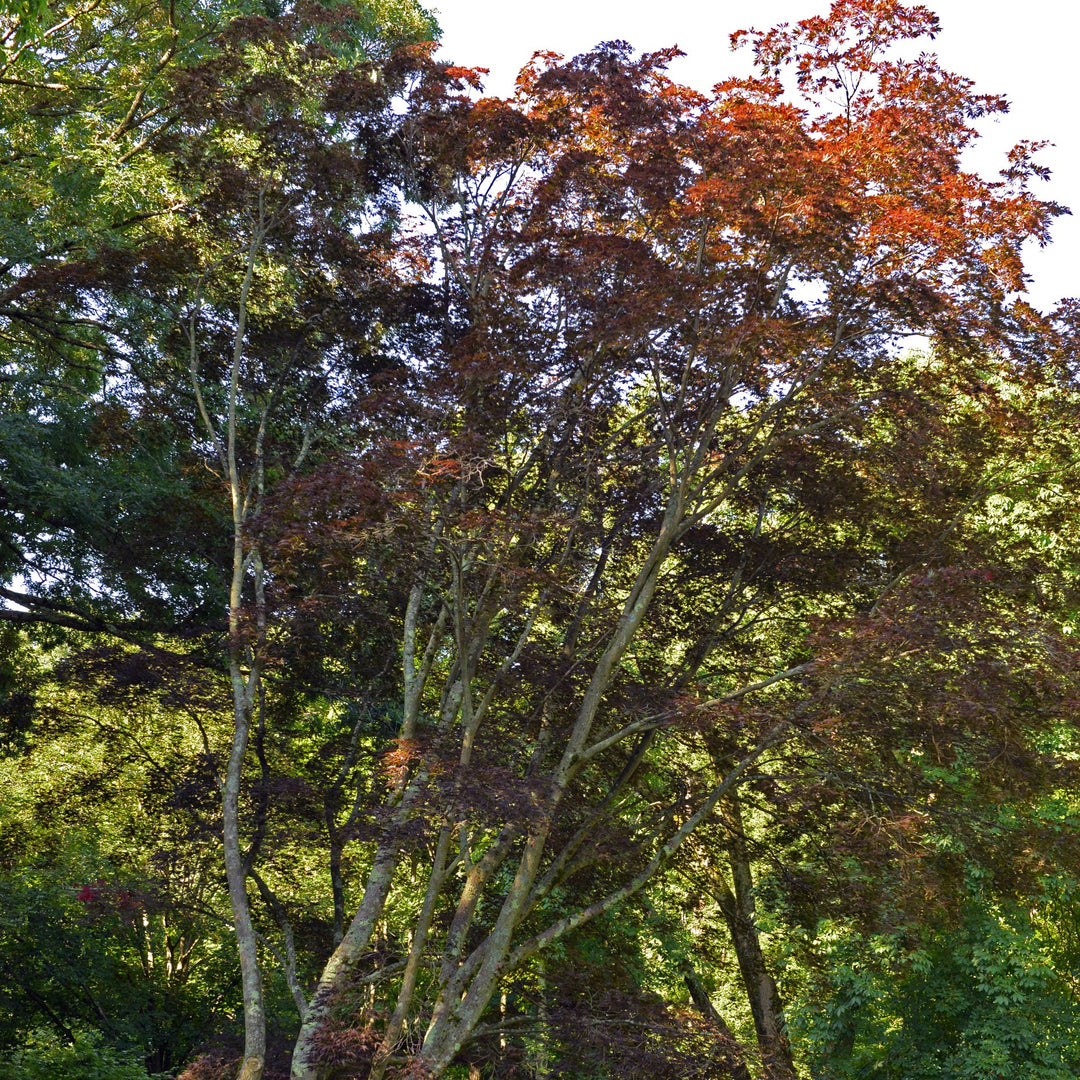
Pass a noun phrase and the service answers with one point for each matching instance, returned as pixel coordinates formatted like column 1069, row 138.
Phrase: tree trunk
column 343, row 962
column 244, row 501
column 762, row 994
column 236, row 869
column 733, row 1057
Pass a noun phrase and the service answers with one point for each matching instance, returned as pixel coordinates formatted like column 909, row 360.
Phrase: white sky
column 1028, row 50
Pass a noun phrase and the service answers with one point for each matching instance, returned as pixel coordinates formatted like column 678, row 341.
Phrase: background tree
column 256, row 249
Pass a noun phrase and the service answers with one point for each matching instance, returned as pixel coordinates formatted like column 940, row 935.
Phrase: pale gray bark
column 244, row 658
column 343, row 962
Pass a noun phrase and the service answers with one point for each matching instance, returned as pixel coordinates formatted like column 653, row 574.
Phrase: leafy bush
column 47, row 1057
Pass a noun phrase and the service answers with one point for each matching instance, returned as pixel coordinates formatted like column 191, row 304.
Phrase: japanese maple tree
column 653, row 315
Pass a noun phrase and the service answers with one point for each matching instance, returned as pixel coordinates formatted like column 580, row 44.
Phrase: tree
column 659, row 313
column 99, row 186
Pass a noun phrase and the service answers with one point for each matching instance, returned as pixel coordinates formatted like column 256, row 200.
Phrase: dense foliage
column 575, row 585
